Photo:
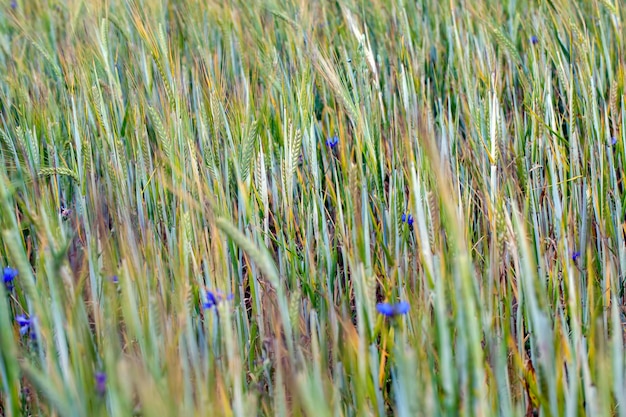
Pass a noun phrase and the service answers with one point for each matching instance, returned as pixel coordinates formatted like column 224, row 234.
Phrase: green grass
column 181, row 147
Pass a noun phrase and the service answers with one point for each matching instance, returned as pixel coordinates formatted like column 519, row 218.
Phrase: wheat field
column 312, row 208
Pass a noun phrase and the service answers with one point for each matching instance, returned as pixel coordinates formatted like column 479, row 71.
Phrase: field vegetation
column 312, row 208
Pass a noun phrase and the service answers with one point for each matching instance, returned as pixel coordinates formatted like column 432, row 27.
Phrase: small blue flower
column 613, row 141
column 14, row 4
column 214, row 298
column 115, row 279
column 392, row 310
column 211, row 300
column 101, row 382
column 26, row 324
column 534, row 40
column 8, row 275
column 407, row 218
column 332, row 141
column 575, row 256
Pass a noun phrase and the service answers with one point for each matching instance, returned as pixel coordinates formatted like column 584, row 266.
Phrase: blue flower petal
column 402, row 307
column 385, row 309
column 9, row 274
column 22, row 320
column 392, row 310
column 331, row 142
column 101, row 383
column 24, row 323
column 213, row 298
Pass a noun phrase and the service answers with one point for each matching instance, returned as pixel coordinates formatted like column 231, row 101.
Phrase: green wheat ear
column 248, row 150
column 289, row 163
column 48, row 171
column 164, row 141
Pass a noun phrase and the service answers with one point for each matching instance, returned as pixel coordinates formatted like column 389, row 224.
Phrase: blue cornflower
column 575, row 256
column 8, row 275
column 534, row 40
column 332, row 141
column 211, row 300
column 26, row 324
column 101, row 382
column 23, row 322
column 407, row 218
column 392, row 310
column 214, row 298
